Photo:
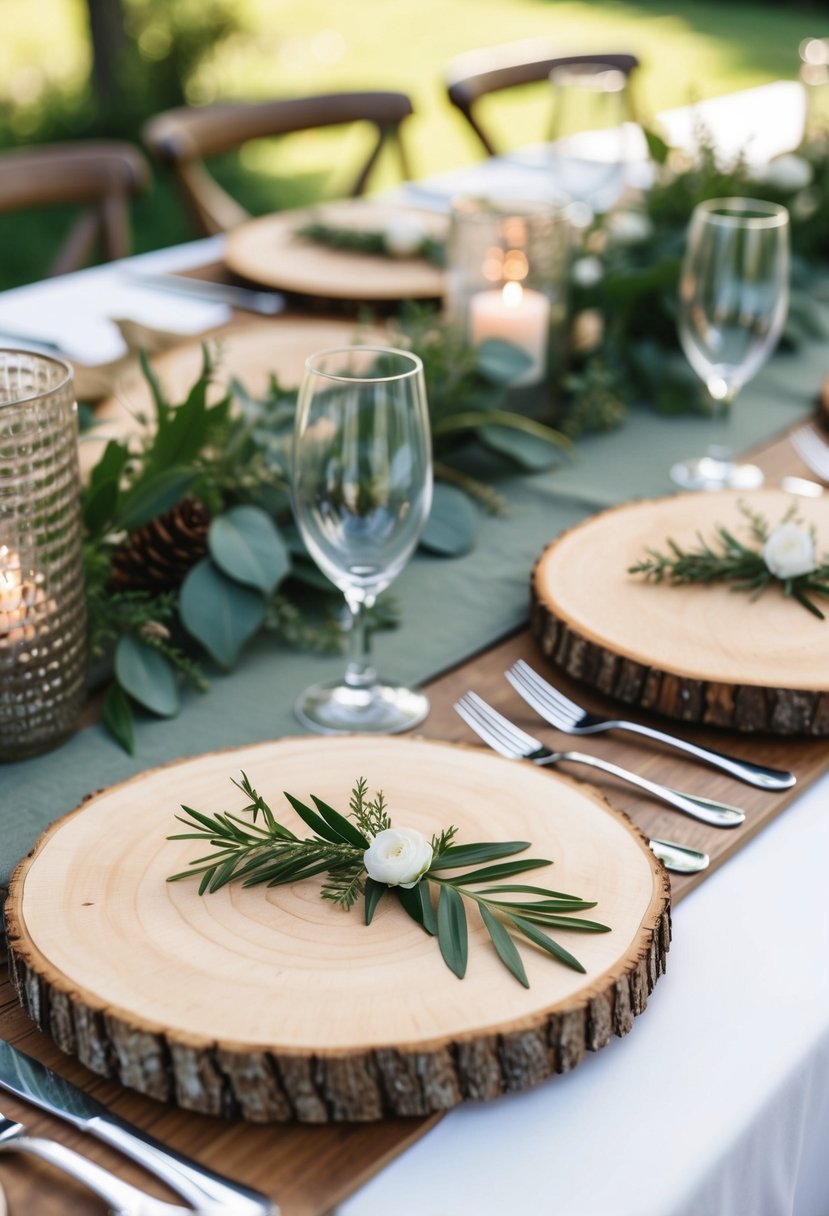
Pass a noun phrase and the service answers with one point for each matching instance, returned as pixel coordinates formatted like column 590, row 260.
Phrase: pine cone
column 158, row 556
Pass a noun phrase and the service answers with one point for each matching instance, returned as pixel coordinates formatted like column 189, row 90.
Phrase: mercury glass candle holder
column 42, row 602
column 507, row 266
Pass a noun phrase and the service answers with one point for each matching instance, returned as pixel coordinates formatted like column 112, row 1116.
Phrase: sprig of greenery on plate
column 787, row 557
column 379, row 242
column 349, row 851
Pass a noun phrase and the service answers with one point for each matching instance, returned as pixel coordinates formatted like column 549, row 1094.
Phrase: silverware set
column 559, row 711
column 208, row 1193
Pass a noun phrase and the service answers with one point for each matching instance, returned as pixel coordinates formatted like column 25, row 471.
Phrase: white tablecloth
column 716, row 1103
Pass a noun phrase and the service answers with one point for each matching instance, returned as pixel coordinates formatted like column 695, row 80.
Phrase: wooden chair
column 476, row 74
column 184, row 137
column 101, row 176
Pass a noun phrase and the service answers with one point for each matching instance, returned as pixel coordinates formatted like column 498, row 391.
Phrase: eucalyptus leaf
column 117, row 717
column 218, row 612
column 532, row 453
column 148, row 677
column 453, row 523
column 245, row 543
column 505, row 947
column 453, row 935
column 502, row 362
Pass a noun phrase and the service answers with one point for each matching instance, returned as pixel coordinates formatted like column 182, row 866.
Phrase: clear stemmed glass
column 733, row 299
column 591, row 136
column 362, row 489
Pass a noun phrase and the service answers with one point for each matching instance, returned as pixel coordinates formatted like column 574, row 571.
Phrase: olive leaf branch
column 262, row 851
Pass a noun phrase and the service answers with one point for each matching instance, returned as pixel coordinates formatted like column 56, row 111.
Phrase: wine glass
column 361, row 490
column 590, row 136
column 733, row 299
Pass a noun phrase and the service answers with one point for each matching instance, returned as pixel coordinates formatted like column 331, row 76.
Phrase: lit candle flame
column 513, row 295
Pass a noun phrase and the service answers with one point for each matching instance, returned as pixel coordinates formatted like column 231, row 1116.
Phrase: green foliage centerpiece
column 190, row 550
column 364, row 857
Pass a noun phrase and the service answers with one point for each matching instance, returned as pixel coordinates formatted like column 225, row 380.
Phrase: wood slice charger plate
column 273, row 1004
column 249, row 353
column 703, row 654
column 269, row 251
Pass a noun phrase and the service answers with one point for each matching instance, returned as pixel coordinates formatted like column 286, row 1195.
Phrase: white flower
column 587, row 272
column 398, row 857
column 403, row 235
column 789, row 551
column 787, row 172
column 629, row 227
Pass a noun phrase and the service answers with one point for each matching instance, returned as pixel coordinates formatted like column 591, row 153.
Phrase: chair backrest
column 184, row 137
column 477, row 73
column 100, row 176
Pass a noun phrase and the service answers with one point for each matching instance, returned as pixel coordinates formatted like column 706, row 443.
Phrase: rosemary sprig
column 728, row 560
column 352, row 240
column 268, row 853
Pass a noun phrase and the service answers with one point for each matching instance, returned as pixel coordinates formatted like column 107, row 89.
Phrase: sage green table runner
column 450, row 608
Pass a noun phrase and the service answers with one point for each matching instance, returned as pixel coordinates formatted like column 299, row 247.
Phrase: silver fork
column 484, row 720
column 570, row 718
column 123, row 1199
column 812, row 450
column 514, row 743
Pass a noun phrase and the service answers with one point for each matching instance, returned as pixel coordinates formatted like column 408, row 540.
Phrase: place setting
column 378, row 677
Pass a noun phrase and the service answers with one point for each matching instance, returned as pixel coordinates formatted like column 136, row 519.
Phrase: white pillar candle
column 517, row 315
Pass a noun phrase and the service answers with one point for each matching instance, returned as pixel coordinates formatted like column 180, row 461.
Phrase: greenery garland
column 231, row 459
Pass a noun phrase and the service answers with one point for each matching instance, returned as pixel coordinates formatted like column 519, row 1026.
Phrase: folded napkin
column 79, row 313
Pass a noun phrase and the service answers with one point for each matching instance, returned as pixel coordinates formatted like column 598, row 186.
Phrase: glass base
column 382, row 709
column 711, row 473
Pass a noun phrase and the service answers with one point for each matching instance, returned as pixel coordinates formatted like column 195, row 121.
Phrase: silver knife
column 268, row 303
column 27, row 1078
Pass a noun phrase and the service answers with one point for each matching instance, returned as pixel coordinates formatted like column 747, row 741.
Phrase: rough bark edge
column 263, row 1086
column 750, row 708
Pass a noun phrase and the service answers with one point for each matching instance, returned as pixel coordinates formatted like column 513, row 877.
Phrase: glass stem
column 359, row 672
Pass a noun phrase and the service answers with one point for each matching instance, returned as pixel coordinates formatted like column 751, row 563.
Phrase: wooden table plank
column 308, row 1170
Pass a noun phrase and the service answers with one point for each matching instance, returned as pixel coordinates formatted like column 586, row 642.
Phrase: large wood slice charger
column 703, row 654
column 273, row 1004
column 272, row 252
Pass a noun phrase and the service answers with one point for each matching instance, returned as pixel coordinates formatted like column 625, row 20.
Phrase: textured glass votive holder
column 42, row 601
column 507, row 266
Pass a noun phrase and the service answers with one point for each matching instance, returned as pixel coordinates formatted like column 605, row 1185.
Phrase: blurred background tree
column 87, row 68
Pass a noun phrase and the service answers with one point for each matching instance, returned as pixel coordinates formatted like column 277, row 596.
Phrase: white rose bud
column 587, row 272
column 403, row 236
column 789, row 551
column 398, row 857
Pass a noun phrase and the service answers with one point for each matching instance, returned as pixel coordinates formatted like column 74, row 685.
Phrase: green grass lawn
column 688, row 51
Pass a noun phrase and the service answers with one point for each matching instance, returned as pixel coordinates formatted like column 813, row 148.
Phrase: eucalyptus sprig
column 361, row 854
column 787, row 557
